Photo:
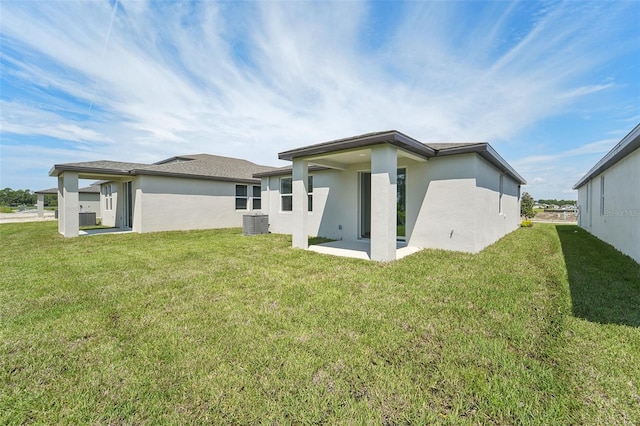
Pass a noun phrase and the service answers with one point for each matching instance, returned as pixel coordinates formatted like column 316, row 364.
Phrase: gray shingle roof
column 443, row 146
column 206, row 165
column 203, row 166
column 93, row 189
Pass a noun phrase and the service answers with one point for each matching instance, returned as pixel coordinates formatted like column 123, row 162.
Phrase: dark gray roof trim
column 103, row 166
column 626, row 146
column 428, row 150
column 287, row 170
column 392, row 137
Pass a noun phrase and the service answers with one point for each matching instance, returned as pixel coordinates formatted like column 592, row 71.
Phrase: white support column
column 68, row 213
column 61, row 204
column 384, row 176
column 40, row 205
column 300, row 183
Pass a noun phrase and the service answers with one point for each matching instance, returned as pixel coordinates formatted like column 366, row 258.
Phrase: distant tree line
column 558, row 202
column 18, row 197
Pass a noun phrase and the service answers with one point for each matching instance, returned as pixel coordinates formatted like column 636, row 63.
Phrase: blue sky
column 552, row 85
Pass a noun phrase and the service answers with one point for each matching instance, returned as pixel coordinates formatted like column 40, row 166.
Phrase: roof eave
column 392, row 137
column 57, row 169
column 626, row 146
column 492, row 156
column 288, row 171
column 194, row 176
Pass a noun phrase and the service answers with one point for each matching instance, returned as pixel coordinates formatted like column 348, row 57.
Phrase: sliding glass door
column 365, row 204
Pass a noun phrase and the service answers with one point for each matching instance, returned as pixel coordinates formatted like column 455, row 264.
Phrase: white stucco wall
column 335, row 205
column 460, row 209
column 618, row 223
column 493, row 222
column 165, row 204
column 90, row 202
column 452, row 203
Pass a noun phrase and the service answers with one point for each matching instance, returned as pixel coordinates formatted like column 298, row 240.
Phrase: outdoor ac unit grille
column 255, row 224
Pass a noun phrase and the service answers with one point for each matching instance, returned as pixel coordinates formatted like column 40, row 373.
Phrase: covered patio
column 379, row 153
column 68, row 191
column 359, row 249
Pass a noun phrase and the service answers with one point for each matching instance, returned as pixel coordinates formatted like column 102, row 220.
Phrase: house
column 609, row 196
column 387, row 191
column 88, row 199
column 180, row 193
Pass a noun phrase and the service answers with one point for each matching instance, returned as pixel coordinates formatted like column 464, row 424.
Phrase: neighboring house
column 609, row 196
column 384, row 187
column 180, row 193
column 88, row 199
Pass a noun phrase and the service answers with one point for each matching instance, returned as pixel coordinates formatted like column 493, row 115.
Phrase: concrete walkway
column 26, row 216
column 358, row 249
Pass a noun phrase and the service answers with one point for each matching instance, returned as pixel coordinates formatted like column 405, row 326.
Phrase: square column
column 68, row 204
column 61, row 204
column 384, row 177
column 40, row 205
column 300, row 183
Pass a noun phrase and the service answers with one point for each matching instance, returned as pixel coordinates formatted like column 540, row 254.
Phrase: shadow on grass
column 604, row 283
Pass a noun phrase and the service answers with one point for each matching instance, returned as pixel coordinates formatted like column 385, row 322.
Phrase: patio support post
column 300, row 183
column 68, row 204
column 40, row 205
column 384, row 176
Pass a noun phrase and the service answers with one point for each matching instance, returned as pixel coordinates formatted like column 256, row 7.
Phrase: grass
column 214, row 327
column 5, row 209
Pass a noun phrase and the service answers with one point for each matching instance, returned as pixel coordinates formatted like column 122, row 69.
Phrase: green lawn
column 543, row 327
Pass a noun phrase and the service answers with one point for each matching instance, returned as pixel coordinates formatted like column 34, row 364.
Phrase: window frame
column 289, row 195
column 242, row 198
column 286, row 195
column 255, row 198
column 108, row 197
column 310, row 194
column 500, row 210
column 602, row 195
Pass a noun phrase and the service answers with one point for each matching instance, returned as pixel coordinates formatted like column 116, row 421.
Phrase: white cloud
column 253, row 79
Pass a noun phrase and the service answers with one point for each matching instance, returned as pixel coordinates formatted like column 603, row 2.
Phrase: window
column 286, row 194
column 108, row 197
column 257, row 198
column 601, row 195
column 310, row 193
column 241, row 197
column 588, row 200
column 501, row 192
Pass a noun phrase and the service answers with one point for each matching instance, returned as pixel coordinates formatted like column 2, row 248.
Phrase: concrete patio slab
column 103, row 231
column 359, row 249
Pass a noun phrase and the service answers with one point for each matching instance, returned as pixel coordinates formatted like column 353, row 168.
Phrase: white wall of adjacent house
column 89, row 202
column 610, row 205
column 452, row 203
column 164, row 203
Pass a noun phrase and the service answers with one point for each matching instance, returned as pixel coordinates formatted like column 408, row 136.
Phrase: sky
column 551, row 85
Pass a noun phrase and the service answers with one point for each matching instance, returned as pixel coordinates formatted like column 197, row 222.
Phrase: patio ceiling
column 341, row 160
